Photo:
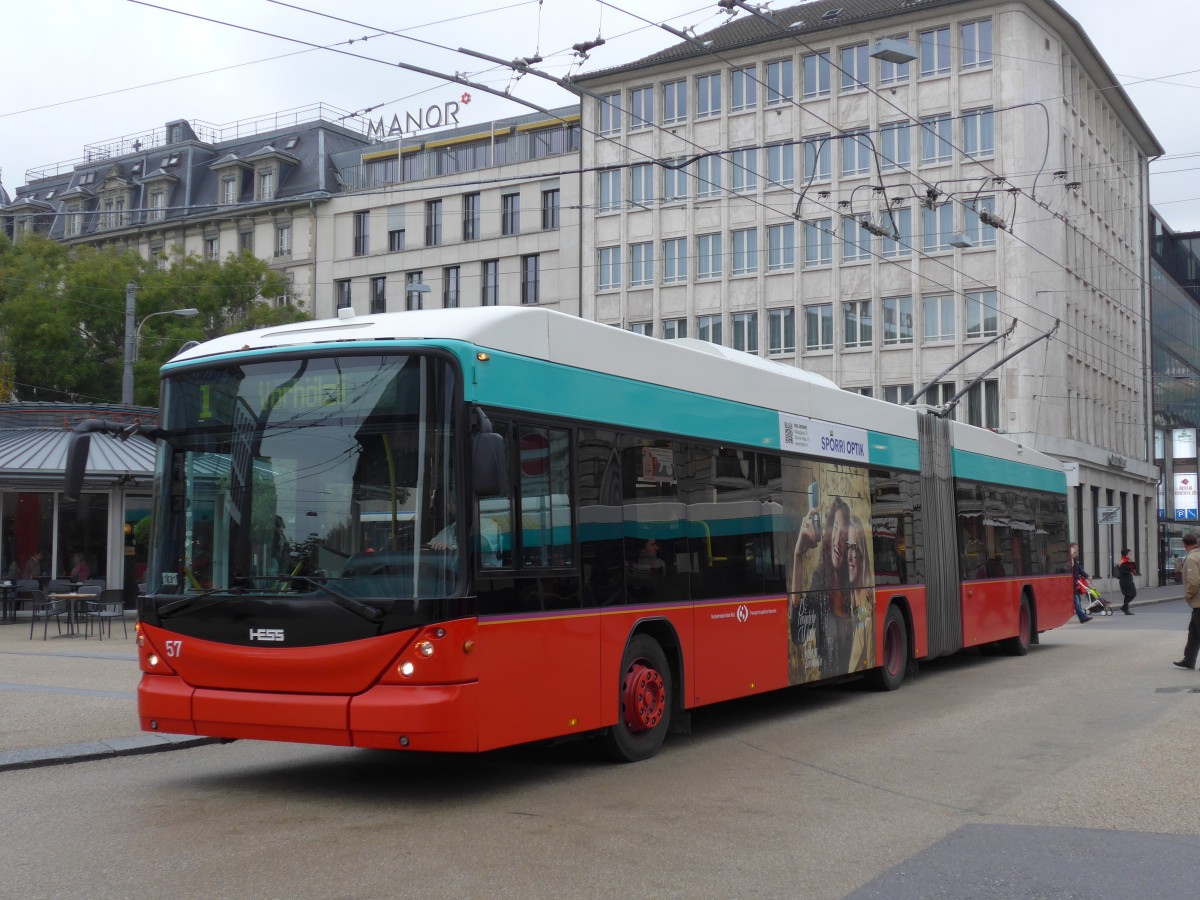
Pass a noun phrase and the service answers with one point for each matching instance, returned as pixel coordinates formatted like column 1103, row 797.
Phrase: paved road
column 1064, row 774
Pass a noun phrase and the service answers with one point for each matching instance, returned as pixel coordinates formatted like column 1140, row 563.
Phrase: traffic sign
column 1108, row 515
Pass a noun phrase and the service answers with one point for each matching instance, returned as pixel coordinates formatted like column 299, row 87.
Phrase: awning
column 35, row 453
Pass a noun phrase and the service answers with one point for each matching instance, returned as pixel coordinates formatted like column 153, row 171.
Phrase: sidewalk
column 68, row 700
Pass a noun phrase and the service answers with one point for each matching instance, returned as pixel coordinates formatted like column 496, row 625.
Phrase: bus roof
column 687, row 365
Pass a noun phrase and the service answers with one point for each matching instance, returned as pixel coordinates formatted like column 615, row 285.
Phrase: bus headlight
column 406, row 669
column 152, row 659
column 425, row 648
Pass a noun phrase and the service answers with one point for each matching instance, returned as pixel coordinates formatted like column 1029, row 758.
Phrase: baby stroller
column 1093, row 603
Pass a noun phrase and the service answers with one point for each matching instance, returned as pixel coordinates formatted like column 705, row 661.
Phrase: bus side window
column 545, row 469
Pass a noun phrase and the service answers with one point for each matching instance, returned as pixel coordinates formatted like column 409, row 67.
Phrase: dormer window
column 137, row 168
column 292, row 142
column 158, row 204
column 266, row 184
column 229, row 190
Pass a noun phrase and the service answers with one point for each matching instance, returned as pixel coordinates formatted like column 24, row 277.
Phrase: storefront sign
column 1185, row 496
column 434, row 116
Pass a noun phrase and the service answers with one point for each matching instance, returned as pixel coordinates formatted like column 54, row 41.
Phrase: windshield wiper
column 178, row 606
column 363, row 610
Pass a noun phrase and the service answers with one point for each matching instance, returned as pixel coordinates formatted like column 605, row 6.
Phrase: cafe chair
column 46, row 610
column 58, row 586
column 91, row 587
column 24, row 590
column 109, row 605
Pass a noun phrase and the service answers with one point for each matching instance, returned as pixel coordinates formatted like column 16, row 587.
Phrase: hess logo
column 266, row 634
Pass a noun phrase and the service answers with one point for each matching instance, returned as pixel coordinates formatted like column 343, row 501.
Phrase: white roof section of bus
column 570, row 341
column 988, row 443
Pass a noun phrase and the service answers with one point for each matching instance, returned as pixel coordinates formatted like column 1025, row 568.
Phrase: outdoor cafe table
column 72, row 611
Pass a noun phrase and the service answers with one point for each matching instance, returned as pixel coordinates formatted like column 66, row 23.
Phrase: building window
column 674, row 177
column 817, row 159
column 414, row 298
column 708, row 176
column 781, row 331
column 982, row 316
column 158, row 207
column 433, row 223
column 674, row 328
column 550, row 216
column 378, row 295
column 212, row 247
column 856, row 324
column 856, row 241
column 939, row 318
column 246, row 241
column 489, row 292
column 530, row 279
column 608, row 268
column 158, row 255
column 818, row 242
column 897, row 393
column 708, row 328
column 610, row 190
column 708, row 258
column 901, row 244
column 780, row 86
column 283, row 239
column 893, row 73
column 897, row 321
column 266, row 185
column 646, row 329
column 745, row 331
column 708, row 95
column 781, row 247
column 743, row 89
column 983, row 404
column 641, row 265
column 342, row 293
column 937, row 227
column 978, row 233
column 935, row 51
column 816, row 75
column 675, row 261
column 510, row 214
column 856, row 155
column 935, row 140
column 781, row 165
column 855, row 70
column 744, row 165
column 229, row 191
column 895, row 146
column 979, row 135
column 745, row 251
column 976, row 44
column 641, row 184
column 451, row 287
column 610, row 114
column 674, row 102
column 818, row 326
column 471, row 217
column 362, row 232
column 641, row 108
column 396, row 240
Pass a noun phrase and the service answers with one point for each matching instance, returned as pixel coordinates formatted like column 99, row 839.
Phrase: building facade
column 874, row 190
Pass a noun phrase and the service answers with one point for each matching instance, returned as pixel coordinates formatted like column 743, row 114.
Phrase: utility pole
column 127, row 372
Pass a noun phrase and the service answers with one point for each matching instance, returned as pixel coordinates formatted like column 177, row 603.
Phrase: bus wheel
column 1018, row 645
column 890, row 674
column 644, row 711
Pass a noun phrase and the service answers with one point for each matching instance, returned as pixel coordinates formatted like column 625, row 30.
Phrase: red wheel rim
column 642, row 697
column 893, row 649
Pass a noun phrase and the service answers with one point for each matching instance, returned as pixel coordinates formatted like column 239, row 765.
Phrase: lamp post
column 134, row 335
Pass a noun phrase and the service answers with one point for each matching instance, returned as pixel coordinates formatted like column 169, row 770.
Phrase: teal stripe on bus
column 975, row 467
column 505, row 380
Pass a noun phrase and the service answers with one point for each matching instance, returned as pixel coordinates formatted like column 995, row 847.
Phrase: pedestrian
column 1126, row 569
column 1079, row 579
column 1191, row 593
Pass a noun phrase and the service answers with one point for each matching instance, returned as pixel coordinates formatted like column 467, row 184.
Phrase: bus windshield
column 309, row 474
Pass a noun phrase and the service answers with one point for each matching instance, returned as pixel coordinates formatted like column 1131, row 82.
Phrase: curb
column 36, row 757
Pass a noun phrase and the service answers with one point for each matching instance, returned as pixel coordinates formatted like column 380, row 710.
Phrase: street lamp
column 133, row 337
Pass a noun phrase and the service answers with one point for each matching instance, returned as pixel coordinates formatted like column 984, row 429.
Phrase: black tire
column 1018, row 644
column 644, row 702
column 893, row 665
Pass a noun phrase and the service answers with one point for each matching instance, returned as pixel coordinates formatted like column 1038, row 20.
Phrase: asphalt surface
column 73, row 699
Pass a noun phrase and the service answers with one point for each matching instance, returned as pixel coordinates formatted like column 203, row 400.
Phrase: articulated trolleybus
column 458, row 530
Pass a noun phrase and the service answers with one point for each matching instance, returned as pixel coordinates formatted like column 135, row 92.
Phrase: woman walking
column 1125, row 572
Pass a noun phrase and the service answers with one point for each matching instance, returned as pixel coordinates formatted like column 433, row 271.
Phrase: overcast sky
column 78, row 72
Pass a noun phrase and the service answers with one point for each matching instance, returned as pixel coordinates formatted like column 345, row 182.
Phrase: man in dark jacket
column 1125, row 572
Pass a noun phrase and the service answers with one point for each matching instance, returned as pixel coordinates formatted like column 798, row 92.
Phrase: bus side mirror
column 77, row 457
column 489, row 464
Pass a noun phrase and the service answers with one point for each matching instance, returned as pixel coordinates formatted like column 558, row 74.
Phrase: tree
column 62, row 314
